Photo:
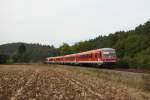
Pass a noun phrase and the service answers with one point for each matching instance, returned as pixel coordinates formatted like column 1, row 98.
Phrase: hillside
column 34, row 52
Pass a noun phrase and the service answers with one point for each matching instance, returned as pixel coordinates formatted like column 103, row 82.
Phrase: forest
column 133, row 48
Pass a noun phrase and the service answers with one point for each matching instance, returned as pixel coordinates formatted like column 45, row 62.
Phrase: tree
column 65, row 49
column 3, row 58
column 20, row 55
column 21, row 49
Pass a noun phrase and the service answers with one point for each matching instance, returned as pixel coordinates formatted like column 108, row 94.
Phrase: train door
column 100, row 57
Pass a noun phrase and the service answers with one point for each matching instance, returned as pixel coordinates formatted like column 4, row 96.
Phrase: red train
column 98, row 57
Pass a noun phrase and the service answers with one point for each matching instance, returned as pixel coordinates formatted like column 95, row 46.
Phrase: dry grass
column 146, row 82
column 136, row 82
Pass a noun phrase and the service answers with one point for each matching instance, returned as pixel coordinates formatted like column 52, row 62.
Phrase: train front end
column 109, row 56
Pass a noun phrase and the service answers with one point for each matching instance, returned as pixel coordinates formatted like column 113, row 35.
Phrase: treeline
column 133, row 48
column 25, row 53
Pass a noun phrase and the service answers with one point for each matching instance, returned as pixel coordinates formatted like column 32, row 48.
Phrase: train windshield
column 109, row 54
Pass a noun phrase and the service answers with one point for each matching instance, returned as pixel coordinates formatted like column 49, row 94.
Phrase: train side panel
column 87, row 57
column 98, row 56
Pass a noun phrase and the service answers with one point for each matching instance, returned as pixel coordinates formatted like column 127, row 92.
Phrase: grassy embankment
column 138, row 81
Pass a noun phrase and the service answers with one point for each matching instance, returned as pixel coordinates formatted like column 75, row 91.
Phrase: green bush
column 122, row 64
column 142, row 61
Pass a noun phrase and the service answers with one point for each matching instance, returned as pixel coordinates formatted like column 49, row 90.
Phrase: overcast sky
column 57, row 21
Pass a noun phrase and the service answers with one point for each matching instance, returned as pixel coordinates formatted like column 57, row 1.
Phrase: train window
column 85, row 56
column 109, row 54
column 69, row 58
column 89, row 55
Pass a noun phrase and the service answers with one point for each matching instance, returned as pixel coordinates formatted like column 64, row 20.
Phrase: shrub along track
column 40, row 82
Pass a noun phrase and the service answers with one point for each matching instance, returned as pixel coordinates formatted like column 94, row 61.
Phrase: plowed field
column 54, row 82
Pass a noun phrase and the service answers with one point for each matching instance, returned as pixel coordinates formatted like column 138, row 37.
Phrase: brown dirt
column 42, row 82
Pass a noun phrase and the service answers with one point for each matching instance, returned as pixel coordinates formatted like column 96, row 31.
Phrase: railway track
column 111, row 69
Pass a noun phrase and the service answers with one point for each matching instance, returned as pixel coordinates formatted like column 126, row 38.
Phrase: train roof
column 96, row 50
column 90, row 51
column 86, row 52
column 107, row 49
column 55, row 57
column 69, row 55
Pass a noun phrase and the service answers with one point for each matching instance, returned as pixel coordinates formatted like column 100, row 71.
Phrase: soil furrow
column 40, row 82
